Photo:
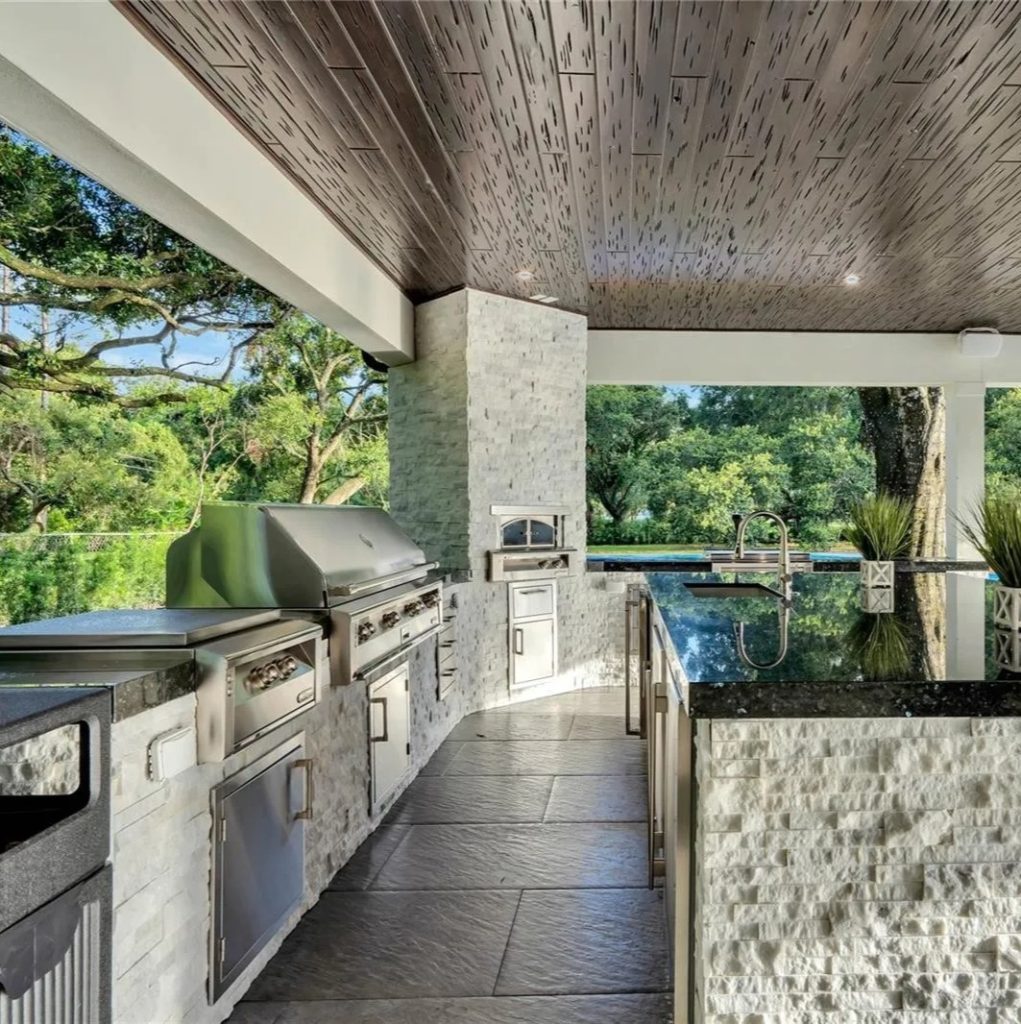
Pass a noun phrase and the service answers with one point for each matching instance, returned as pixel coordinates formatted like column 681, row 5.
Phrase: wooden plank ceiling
column 654, row 164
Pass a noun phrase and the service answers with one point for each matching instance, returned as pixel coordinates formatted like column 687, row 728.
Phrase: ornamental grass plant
column 880, row 528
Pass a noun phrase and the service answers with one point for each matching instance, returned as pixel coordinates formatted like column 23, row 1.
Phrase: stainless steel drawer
column 531, row 600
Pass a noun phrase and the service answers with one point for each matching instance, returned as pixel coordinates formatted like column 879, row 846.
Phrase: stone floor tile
column 596, row 700
column 371, row 945
column 445, row 753
column 587, row 941
column 441, row 799
column 490, row 725
column 643, row 1008
column 548, row 856
column 549, row 757
column 597, row 727
column 598, row 798
column 374, row 852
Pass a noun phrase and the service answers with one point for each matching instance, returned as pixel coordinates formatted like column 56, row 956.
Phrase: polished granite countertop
column 934, row 655
column 137, row 680
column 820, row 563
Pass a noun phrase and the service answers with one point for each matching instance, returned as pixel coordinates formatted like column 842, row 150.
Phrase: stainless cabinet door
column 533, row 651
column 259, row 857
column 389, row 732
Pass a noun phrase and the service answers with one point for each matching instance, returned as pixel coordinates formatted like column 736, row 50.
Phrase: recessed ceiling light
column 852, row 279
column 543, row 298
column 525, row 275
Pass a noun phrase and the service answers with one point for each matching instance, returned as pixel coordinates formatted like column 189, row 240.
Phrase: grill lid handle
column 405, row 575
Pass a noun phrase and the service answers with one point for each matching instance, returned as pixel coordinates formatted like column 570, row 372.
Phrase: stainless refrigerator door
column 259, row 857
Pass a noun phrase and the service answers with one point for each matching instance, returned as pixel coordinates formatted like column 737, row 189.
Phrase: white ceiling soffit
column 794, row 358
column 80, row 79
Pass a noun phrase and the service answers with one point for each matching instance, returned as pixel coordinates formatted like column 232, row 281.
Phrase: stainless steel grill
column 352, row 567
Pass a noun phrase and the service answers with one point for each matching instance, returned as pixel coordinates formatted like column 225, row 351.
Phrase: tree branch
column 96, row 282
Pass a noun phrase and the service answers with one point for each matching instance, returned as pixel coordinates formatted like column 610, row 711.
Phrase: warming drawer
column 531, row 599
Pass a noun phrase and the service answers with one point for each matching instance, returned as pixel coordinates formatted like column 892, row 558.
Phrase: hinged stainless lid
column 288, row 556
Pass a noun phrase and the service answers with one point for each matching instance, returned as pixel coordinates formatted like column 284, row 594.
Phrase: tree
column 623, row 424
column 906, row 431
column 317, row 413
column 117, row 292
column 1003, row 439
column 89, row 468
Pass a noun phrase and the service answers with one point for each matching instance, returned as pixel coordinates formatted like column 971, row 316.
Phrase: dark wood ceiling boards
column 655, row 164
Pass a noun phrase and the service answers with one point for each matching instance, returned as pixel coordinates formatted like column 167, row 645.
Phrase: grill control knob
column 256, row 680
column 413, row 607
column 288, row 666
column 365, row 631
column 432, row 599
column 390, row 619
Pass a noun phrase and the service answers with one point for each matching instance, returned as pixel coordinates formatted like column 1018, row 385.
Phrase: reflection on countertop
column 935, row 654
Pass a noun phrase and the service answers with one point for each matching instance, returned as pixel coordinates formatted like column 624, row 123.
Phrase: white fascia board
column 83, row 81
column 793, row 358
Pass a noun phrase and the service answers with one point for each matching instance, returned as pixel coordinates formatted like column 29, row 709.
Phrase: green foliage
column 42, row 576
column 880, row 527
column 796, row 451
column 624, row 423
column 995, row 531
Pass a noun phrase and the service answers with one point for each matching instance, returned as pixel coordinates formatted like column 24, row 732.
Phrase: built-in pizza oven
column 530, row 543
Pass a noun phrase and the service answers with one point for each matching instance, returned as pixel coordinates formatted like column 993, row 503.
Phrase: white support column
column 965, row 460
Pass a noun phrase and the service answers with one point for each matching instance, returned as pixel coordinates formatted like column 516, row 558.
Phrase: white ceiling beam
column 81, row 80
column 779, row 358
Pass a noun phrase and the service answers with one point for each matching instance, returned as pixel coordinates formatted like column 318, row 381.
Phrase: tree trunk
column 345, row 492
column 906, row 429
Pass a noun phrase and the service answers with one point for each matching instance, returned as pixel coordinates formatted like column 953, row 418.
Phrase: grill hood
column 245, row 555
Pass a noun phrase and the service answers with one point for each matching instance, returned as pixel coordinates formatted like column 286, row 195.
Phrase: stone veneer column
column 493, row 412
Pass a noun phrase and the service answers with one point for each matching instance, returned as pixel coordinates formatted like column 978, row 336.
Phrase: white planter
column 1008, row 649
column 877, row 600
column 1007, row 607
column 876, row 574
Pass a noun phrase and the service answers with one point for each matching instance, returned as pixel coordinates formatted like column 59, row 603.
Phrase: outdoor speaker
column 980, row 342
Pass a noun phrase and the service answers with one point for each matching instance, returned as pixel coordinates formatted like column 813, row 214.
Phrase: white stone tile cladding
column 493, row 412
column 860, row 871
column 162, row 844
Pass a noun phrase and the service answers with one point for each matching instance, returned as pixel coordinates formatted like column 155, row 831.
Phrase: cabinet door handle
column 306, row 813
column 535, row 590
column 385, row 738
column 519, row 641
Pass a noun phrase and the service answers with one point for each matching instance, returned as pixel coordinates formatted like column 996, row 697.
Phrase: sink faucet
column 784, row 575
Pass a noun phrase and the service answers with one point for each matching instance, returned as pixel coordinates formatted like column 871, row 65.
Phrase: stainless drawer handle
column 385, row 738
column 449, row 672
column 306, row 695
column 519, row 641
column 534, row 590
column 306, row 813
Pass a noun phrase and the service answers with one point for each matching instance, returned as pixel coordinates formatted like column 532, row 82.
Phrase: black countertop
column 935, row 655
column 668, row 563
column 137, row 680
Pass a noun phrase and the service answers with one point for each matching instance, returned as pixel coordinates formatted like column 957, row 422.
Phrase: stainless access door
column 389, row 732
column 533, row 646
column 258, row 856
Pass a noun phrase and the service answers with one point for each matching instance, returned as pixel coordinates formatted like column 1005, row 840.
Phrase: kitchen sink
column 730, row 590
